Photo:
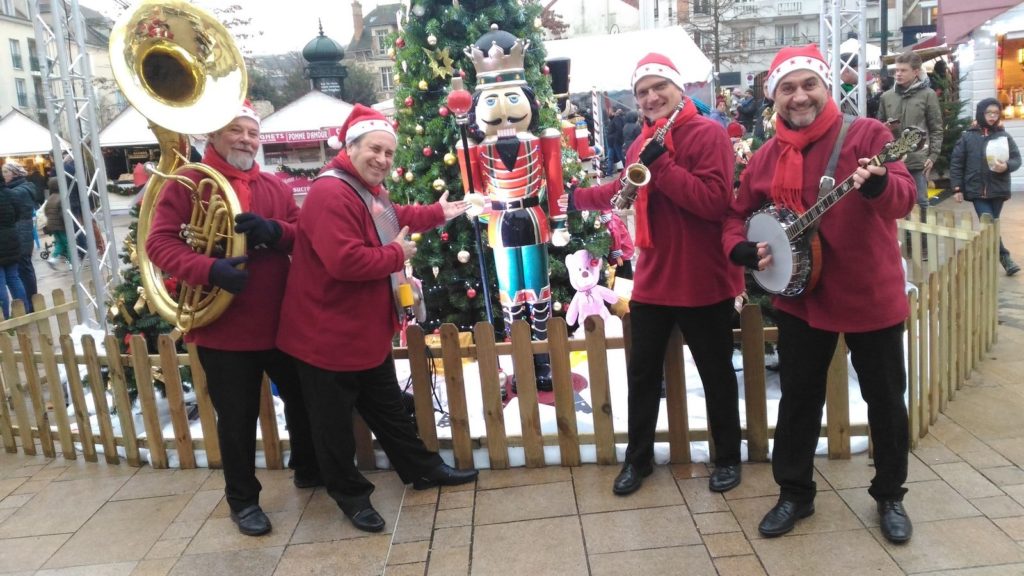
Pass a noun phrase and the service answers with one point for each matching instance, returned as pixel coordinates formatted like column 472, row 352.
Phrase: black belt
column 515, row 204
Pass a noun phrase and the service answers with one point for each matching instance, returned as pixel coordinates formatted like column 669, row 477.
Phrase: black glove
column 223, row 274
column 745, row 254
column 651, row 152
column 259, row 231
column 874, row 186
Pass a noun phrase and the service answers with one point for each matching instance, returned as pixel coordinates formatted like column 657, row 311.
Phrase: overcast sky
column 277, row 27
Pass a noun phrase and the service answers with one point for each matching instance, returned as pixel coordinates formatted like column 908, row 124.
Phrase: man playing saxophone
column 682, row 277
column 238, row 347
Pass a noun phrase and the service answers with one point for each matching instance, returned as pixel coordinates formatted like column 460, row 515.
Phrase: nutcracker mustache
column 510, row 120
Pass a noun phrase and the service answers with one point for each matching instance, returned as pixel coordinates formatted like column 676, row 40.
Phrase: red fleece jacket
column 861, row 287
column 338, row 312
column 688, row 198
column 250, row 322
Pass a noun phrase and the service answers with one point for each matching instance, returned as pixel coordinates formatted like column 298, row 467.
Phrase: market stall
column 24, row 140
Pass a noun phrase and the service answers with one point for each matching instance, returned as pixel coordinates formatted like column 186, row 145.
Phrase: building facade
column 21, row 83
column 369, row 45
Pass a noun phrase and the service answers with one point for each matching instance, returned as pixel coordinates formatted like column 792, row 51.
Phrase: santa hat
column 248, row 111
column 797, row 58
column 364, row 120
column 655, row 64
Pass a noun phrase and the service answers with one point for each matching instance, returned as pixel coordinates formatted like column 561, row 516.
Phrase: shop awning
column 129, row 128
column 23, row 136
column 958, row 18
column 308, row 119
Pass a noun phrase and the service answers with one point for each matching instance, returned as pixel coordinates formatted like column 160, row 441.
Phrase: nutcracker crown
column 499, row 59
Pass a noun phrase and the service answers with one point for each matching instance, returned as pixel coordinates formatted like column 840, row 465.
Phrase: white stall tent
column 606, row 62
column 23, row 136
column 129, row 128
column 303, row 118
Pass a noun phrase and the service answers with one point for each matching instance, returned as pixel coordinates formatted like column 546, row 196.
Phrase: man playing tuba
column 238, row 347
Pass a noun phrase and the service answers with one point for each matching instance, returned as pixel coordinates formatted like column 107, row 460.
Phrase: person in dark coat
column 24, row 193
column 10, row 251
column 980, row 175
column 630, row 130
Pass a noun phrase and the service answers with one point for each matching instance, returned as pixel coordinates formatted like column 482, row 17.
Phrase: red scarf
column 643, row 230
column 239, row 179
column 344, row 163
column 788, row 181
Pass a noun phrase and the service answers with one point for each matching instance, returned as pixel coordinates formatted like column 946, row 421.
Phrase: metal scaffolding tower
column 71, row 109
column 838, row 19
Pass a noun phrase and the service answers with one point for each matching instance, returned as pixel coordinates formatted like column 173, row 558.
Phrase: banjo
column 796, row 254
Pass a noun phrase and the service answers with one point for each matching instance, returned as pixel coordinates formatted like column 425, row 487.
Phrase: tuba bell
column 179, row 67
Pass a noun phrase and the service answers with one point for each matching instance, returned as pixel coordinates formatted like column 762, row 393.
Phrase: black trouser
column 804, row 356
column 708, row 333
column 234, row 380
column 331, row 398
column 28, row 277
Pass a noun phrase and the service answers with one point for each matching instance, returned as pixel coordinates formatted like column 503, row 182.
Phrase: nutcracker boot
column 541, row 362
column 512, row 313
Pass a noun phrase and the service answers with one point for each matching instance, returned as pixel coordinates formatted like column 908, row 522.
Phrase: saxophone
column 636, row 174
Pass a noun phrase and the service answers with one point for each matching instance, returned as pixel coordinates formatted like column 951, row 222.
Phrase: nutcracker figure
column 512, row 170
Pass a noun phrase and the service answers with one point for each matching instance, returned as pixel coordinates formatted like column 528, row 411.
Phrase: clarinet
column 636, row 174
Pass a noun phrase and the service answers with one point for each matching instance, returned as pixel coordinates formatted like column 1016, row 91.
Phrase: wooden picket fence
column 952, row 322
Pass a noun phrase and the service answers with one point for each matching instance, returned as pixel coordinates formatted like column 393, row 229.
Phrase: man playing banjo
column 859, row 290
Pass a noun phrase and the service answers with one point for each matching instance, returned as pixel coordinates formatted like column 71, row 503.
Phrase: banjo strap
column 385, row 220
column 828, row 181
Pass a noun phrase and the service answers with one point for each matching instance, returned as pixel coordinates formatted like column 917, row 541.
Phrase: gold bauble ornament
column 423, row 85
column 397, row 78
column 396, row 176
column 557, row 306
column 416, row 237
column 391, row 53
column 438, row 184
column 409, row 176
column 432, row 40
column 450, row 159
column 419, row 129
column 463, row 256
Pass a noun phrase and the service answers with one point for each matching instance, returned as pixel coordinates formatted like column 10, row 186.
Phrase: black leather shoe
column 444, row 475
column 251, row 521
column 630, row 479
column 724, row 478
column 367, row 520
column 783, row 517
column 895, row 524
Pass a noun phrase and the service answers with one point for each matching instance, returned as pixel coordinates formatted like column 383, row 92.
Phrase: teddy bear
column 584, row 272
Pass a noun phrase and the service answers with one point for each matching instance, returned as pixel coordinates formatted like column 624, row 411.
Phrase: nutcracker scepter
column 459, row 102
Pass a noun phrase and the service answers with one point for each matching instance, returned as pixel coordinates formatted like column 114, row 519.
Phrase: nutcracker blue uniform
column 512, row 169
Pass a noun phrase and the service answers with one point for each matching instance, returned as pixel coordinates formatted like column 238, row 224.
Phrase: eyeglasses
column 995, row 114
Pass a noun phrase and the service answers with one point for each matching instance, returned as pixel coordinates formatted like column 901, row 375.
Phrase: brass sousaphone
column 179, row 67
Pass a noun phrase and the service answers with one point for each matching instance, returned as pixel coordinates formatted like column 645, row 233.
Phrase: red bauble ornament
column 574, row 181
column 471, row 293
column 462, row 73
column 444, row 236
column 400, row 170
column 545, row 70
column 428, row 151
column 400, row 42
column 460, row 101
column 443, row 111
column 408, row 101
column 395, row 125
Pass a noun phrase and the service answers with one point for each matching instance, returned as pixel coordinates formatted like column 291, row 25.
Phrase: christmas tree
column 130, row 313
column 428, row 51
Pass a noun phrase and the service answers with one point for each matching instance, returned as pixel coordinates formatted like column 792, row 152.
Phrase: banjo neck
column 815, row 212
